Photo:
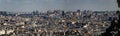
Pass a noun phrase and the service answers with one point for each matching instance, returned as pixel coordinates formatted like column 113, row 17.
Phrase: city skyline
column 43, row 5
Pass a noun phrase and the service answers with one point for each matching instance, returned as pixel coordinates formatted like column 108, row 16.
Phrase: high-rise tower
column 118, row 1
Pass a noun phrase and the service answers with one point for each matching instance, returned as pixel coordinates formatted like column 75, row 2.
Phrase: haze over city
column 44, row 5
column 59, row 17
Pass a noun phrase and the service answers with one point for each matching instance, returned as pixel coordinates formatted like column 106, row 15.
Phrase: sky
column 44, row 5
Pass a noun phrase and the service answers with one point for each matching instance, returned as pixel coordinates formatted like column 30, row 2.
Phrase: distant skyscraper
column 63, row 13
column 118, row 1
column 78, row 10
column 3, row 13
column 35, row 12
column 84, row 12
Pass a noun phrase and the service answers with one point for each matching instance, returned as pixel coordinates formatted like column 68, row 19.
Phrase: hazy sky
column 44, row 5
